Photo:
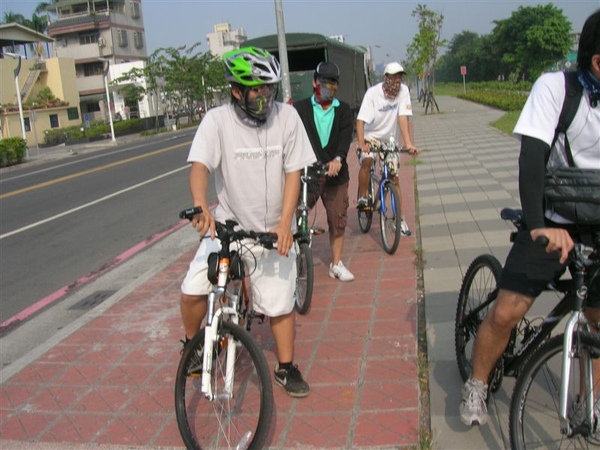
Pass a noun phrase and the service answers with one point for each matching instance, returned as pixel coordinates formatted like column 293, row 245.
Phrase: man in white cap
column 385, row 109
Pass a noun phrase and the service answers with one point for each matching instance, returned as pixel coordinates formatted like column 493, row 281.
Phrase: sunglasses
column 264, row 89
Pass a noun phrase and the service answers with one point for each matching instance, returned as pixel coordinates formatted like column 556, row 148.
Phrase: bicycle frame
column 213, row 318
column 386, row 177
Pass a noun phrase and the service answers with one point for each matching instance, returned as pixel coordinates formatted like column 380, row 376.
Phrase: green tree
column 532, row 39
column 423, row 52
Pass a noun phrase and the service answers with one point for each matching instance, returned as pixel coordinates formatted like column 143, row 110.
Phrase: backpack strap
column 573, row 92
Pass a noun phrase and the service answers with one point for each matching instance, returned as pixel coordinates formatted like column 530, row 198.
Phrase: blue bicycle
column 383, row 196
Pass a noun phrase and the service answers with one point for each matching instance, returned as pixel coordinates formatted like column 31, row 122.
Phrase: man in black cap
column 328, row 123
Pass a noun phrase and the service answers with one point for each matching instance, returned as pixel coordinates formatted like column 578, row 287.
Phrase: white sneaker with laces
column 362, row 202
column 473, row 408
column 404, row 230
column 340, row 272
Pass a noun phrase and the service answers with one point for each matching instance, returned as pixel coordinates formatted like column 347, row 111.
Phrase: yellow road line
column 86, row 172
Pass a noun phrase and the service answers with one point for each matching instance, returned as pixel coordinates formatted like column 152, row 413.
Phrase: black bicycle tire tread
column 262, row 369
column 368, row 215
column 535, row 359
column 391, row 249
column 304, row 308
column 484, row 260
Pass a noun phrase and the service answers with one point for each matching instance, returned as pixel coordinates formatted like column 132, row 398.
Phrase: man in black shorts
column 328, row 123
column 529, row 266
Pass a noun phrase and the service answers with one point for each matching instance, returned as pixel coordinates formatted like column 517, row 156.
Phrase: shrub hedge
column 12, row 151
column 97, row 130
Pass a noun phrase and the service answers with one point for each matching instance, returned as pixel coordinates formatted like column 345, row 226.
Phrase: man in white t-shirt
column 256, row 148
column 385, row 109
column 529, row 266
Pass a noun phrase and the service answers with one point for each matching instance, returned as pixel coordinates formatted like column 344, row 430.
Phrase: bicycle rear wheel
column 534, row 406
column 304, row 278
column 240, row 420
column 477, row 293
column 365, row 215
column 390, row 217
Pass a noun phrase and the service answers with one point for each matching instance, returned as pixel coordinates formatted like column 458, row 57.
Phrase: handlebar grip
column 542, row 241
column 190, row 213
column 268, row 240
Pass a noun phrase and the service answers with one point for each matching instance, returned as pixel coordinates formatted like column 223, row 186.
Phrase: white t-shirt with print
column 250, row 163
column 380, row 113
column 539, row 119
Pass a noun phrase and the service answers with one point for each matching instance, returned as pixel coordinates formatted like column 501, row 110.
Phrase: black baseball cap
column 327, row 70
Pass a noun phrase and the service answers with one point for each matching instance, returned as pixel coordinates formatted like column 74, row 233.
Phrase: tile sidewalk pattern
column 110, row 382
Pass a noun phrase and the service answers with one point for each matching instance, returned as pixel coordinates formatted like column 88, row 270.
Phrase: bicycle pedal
column 317, row 231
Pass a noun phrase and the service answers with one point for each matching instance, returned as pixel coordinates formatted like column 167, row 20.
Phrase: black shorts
column 529, row 268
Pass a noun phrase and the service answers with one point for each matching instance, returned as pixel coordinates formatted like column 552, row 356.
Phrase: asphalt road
column 66, row 220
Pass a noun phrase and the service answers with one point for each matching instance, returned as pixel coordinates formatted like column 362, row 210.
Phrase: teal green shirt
column 324, row 119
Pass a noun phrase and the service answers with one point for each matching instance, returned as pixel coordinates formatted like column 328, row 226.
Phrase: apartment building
column 90, row 30
column 224, row 39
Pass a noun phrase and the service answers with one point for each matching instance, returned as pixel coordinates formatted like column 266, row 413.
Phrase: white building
column 87, row 30
column 146, row 107
column 224, row 39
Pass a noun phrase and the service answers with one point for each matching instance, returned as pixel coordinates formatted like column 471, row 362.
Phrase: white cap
column 393, row 68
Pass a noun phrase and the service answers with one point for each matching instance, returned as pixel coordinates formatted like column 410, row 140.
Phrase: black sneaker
column 291, row 380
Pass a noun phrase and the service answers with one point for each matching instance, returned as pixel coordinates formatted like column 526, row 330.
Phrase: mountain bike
column 553, row 404
column 383, row 196
column 303, row 239
column 223, row 389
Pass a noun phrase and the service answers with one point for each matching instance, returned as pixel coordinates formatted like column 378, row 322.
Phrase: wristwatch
column 338, row 158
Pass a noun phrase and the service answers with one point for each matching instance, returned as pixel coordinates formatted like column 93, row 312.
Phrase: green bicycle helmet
column 251, row 66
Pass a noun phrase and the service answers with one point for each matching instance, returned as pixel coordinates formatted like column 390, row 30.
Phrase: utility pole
column 283, row 60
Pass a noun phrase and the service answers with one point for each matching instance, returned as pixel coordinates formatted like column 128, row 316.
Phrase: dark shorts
column 336, row 202
column 529, row 269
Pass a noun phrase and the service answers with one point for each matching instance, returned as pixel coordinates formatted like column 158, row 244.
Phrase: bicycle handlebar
column 227, row 233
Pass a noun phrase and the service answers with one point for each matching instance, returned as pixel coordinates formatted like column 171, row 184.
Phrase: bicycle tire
column 304, row 279
column 478, row 287
column 533, row 419
column 390, row 217
column 365, row 216
column 245, row 418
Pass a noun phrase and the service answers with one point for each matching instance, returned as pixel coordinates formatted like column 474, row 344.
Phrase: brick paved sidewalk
column 110, row 383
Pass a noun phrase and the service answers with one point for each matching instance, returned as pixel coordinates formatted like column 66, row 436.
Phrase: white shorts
column 364, row 155
column 272, row 276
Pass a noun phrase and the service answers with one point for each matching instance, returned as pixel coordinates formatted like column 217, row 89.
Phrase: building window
column 88, row 39
column 27, row 123
column 72, row 113
column 138, row 39
column 122, row 35
column 90, row 107
column 93, row 68
column 54, row 121
column 135, row 10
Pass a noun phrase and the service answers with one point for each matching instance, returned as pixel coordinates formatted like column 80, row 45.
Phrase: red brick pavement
column 111, row 382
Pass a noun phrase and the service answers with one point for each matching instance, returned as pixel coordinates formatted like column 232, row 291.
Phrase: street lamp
column 17, row 70
column 107, row 65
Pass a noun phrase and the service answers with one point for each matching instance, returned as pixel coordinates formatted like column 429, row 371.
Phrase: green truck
column 306, row 50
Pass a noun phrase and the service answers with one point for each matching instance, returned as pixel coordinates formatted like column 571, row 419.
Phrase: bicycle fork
column 211, row 339
column 576, row 319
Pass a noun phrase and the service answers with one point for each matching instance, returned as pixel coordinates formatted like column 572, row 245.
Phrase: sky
column 387, row 26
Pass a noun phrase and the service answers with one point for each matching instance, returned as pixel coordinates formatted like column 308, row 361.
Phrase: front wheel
column 304, row 278
column 390, row 217
column 239, row 419
column 365, row 214
column 477, row 293
column 534, row 407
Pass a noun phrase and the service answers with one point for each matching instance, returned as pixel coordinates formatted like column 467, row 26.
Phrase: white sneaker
column 404, row 230
column 340, row 272
column 473, row 408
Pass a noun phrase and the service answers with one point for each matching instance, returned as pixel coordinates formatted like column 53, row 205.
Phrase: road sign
column 463, row 70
